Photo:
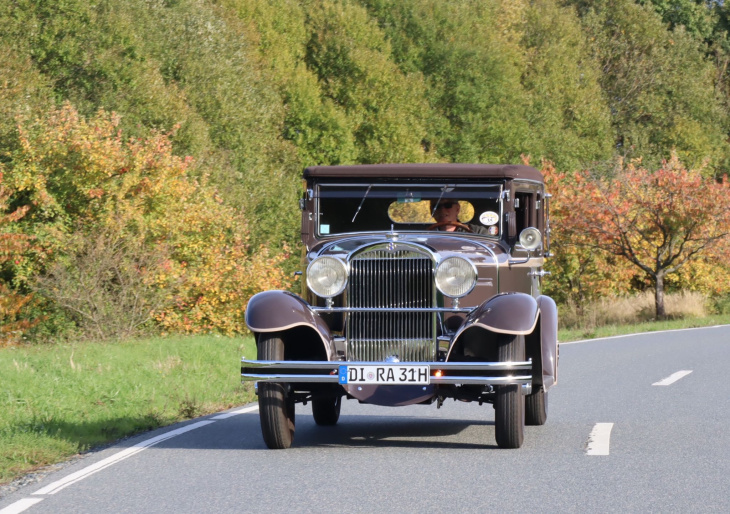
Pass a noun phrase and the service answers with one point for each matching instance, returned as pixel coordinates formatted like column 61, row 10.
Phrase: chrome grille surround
column 391, row 276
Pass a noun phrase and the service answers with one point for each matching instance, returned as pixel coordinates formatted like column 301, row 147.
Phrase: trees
column 124, row 234
column 503, row 77
column 658, row 220
column 660, row 88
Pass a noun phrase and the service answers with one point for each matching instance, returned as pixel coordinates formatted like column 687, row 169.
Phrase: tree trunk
column 661, row 313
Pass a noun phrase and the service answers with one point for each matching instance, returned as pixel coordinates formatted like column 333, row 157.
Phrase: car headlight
column 326, row 276
column 456, row 277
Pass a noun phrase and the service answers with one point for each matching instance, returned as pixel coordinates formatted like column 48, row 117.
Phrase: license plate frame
column 385, row 374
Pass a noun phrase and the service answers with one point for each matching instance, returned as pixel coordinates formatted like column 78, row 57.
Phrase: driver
column 446, row 216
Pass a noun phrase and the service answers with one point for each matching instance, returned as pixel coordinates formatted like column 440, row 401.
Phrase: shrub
column 106, row 283
column 125, row 235
column 12, row 245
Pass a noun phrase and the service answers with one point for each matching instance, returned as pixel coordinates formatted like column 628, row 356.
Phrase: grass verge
column 577, row 334
column 61, row 400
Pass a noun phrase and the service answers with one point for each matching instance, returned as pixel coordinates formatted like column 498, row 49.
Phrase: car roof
column 426, row 170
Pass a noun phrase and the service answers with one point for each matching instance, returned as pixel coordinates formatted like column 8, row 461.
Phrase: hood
column 479, row 250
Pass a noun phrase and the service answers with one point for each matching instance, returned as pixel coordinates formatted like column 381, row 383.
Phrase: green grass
column 576, row 334
column 57, row 401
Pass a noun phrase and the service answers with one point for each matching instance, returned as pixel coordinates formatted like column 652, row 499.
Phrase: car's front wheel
column 276, row 405
column 509, row 404
column 326, row 411
column 536, row 407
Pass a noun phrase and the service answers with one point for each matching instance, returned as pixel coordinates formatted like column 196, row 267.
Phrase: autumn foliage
column 12, row 247
column 123, row 229
column 633, row 224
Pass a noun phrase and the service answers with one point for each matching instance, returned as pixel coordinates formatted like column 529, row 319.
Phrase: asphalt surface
column 613, row 442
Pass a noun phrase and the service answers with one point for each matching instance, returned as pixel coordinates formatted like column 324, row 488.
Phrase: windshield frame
column 361, row 192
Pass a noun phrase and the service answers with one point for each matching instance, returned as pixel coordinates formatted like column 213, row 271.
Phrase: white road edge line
column 89, row 470
column 20, row 505
column 232, row 413
column 26, row 503
column 599, row 440
column 673, row 378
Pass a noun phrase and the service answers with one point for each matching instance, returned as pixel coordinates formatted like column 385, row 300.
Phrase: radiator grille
column 399, row 278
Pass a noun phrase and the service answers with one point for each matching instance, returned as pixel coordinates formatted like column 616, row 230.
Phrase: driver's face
column 447, row 210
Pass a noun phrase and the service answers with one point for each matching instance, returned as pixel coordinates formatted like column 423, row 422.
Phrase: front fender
column 280, row 311
column 509, row 313
column 548, row 341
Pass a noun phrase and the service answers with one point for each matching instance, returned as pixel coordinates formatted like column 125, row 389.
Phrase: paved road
column 636, row 424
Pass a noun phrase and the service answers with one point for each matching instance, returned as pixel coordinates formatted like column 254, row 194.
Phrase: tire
column 509, row 403
column 276, row 406
column 326, row 411
column 536, row 408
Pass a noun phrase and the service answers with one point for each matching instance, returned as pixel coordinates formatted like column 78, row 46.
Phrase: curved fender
column 549, row 340
column 277, row 311
column 508, row 313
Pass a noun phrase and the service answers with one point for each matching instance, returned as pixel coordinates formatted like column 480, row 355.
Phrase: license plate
column 386, row 374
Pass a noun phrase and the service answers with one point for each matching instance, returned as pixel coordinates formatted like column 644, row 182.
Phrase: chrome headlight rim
column 317, row 273
column 530, row 239
column 466, row 280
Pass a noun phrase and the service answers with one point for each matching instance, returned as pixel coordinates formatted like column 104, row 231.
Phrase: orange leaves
column 656, row 220
column 174, row 237
column 214, row 295
column 12, row 247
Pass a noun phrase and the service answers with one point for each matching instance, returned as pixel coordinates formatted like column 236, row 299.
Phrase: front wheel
column 509, row 404
column 276, row 405
column 536, row 408
column 326, row 411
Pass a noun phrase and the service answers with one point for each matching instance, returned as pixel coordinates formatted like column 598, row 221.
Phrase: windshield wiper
column 444, row 189
column 361, row 202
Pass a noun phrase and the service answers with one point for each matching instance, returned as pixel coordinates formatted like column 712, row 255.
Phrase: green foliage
column 162, row 65
column 695, row 16
column 254, row 90
column 505, row 78
column 318, row 128
column 125, row 235
column 660, row 88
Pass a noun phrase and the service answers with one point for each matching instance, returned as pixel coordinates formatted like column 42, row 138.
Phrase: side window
column 525, row 209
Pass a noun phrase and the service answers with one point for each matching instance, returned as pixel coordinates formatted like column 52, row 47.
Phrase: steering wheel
column 451, row 223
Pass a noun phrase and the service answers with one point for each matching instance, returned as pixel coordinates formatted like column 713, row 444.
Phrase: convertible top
column 426, row 170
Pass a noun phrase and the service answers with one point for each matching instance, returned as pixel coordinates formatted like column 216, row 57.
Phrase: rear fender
column 304, row 332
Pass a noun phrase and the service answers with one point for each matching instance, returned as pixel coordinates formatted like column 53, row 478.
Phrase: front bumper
column 441, row 373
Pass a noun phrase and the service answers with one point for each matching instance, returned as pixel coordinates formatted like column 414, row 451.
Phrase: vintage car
column 398, row 309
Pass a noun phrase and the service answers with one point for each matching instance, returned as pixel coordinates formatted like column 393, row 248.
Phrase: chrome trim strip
column 443, row 366
column 391, row 309
column 271, row 371
column 520, row 380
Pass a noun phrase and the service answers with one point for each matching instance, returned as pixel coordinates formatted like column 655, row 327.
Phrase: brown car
column 423, row 283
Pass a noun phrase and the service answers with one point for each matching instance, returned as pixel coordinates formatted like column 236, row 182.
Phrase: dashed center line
column 673, row 378
column 599, row 440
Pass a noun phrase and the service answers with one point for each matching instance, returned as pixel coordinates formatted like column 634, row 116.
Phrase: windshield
column 367, row 207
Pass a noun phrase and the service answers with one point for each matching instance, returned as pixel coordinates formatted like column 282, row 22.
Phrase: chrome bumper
column 480, row 373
